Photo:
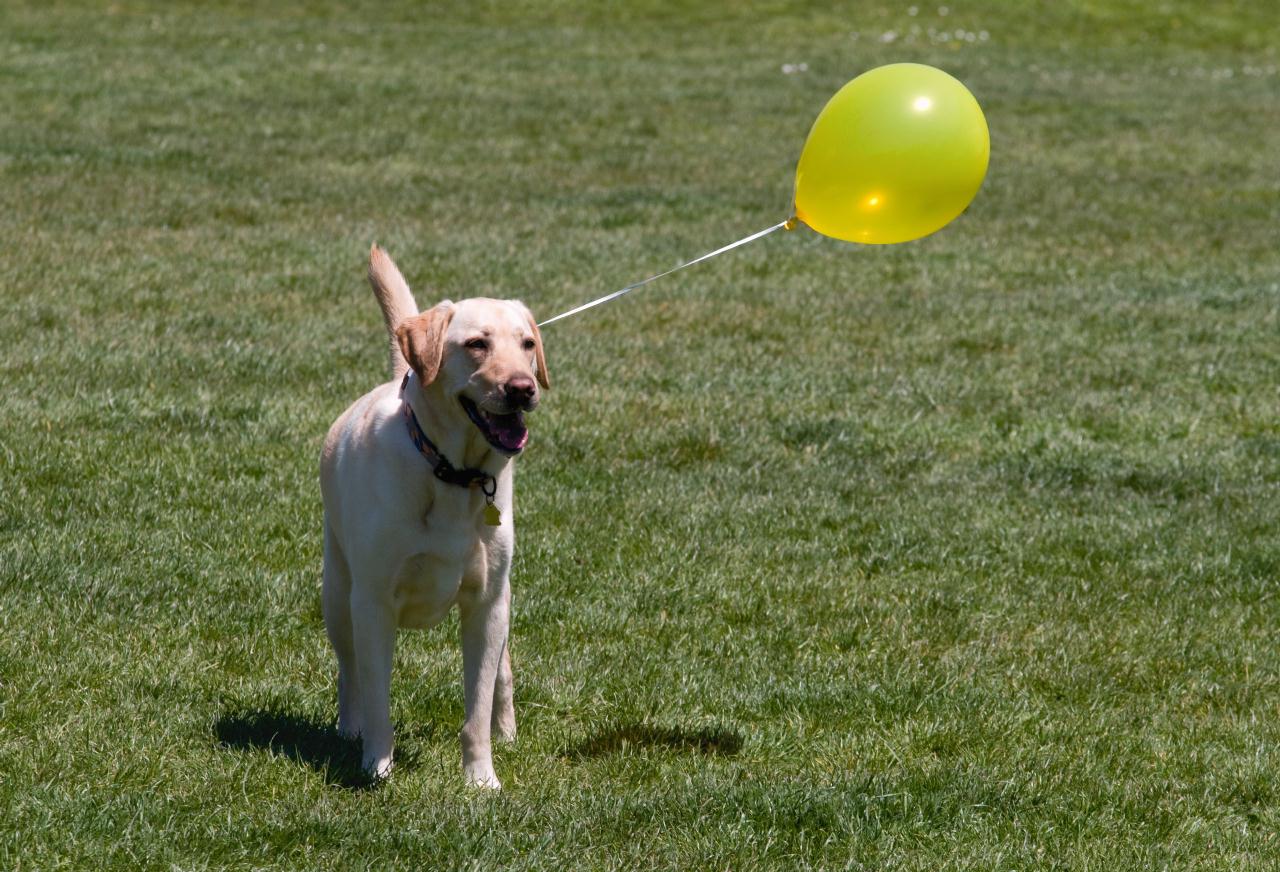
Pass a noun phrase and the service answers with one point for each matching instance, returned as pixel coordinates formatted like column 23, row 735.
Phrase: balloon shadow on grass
column 621, row 738
column 308, row 740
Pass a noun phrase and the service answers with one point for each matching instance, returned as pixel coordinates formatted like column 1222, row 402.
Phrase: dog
column 416, row 478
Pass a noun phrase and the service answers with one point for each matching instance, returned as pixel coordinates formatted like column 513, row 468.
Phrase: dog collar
column 445, row 471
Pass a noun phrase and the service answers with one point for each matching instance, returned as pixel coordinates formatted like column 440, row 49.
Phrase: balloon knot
column 791, row 223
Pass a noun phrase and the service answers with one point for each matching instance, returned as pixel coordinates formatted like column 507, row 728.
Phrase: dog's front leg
column 484, row 618
column 374, row 625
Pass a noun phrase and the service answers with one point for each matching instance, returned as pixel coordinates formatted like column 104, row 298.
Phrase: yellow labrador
column 416, row 477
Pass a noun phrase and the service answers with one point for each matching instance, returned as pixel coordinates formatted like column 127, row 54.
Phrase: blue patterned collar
column 440, row 465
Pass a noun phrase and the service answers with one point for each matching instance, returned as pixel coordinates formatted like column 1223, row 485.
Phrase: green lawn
column 960, row 554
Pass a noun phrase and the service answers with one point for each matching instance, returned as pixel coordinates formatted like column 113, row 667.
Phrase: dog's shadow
column 631, row 737
column 317, row 743
column 308, row 740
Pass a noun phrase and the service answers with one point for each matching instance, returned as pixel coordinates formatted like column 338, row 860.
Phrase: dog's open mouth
column 507, row 433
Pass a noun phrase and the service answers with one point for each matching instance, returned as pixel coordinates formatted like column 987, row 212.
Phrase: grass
column 954, row 555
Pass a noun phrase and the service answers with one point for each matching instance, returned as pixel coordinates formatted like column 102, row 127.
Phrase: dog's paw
column 377, row 768
column 482, row 777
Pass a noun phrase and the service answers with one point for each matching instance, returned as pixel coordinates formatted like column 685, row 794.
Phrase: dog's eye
column 528, row 345
column 479, row 343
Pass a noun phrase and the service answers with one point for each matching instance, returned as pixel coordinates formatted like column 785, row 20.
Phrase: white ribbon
column 789, row 223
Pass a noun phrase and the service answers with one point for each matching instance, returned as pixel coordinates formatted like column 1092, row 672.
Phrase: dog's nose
column 520, row 390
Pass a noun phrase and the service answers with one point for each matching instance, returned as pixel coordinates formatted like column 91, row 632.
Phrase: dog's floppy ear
column 421, row 340
column 539, row 358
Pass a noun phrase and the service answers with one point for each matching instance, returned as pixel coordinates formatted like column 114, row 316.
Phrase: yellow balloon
column 895, row 155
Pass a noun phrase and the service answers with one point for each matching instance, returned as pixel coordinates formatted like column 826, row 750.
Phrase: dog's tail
column 395, row 300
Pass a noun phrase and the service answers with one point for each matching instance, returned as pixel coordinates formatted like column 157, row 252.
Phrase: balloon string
column 788, row 224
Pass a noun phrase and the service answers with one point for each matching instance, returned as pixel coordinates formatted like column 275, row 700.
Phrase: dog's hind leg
column 503, row 723
column 336, row 604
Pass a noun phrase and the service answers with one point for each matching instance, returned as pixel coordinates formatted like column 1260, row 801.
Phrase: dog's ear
column 421, row 339
column 539, row 358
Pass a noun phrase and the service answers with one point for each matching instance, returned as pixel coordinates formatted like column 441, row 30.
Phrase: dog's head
column 486, row 356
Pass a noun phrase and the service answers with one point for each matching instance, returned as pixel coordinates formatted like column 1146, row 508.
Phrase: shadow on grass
column 712, row 741
column 304, row 739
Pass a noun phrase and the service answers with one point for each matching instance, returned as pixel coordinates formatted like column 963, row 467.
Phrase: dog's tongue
column 509, row 431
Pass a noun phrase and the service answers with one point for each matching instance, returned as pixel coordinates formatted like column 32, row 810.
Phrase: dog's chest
column 429, row 582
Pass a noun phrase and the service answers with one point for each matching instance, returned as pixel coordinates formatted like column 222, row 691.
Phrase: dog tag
column 492, row 515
